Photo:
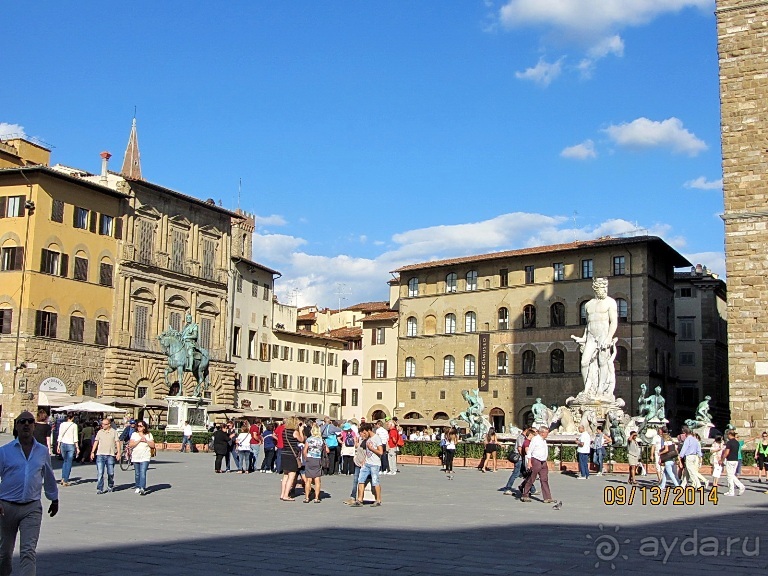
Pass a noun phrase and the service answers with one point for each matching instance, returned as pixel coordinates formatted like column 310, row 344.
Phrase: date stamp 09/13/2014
column 656, row 496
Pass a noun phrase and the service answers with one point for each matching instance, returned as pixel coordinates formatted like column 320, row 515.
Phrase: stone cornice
column 741, row 215
column 745, row 7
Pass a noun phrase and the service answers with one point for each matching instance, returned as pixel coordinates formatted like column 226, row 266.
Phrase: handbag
column 670, row 454
column 513, row 455
column 360, row 457
column 324, row 462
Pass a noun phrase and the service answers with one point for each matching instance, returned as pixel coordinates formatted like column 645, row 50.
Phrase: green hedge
column 176, row 437
column 564, row 453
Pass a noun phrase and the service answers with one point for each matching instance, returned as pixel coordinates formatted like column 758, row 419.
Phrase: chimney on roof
column 699, row 269
column 105, row 156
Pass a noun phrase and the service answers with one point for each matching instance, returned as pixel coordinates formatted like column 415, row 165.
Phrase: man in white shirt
column 536, row 460
column 186, row 439
column 584, row 442
column 383, row 435
column 25, row 465
column 374, row 448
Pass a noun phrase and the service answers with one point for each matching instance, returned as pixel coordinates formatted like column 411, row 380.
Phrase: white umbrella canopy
column 90, row 406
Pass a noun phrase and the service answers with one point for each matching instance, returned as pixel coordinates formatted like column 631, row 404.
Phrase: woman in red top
column 255, row 431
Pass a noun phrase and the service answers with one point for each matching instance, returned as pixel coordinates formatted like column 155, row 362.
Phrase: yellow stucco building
column 58, row 247
column 93, row 268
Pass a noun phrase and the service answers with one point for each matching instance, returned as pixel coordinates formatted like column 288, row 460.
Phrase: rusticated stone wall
column 742, row 28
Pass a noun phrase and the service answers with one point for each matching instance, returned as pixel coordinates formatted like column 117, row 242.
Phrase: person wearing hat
column 348, row 445
column 25, row 469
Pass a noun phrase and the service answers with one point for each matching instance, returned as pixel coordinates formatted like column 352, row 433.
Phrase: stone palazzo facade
column 503, row 322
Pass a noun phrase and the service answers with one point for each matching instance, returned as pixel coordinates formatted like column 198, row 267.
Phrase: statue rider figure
column 189, row 335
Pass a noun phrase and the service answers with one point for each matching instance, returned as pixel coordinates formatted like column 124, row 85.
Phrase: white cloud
column 591, row 19
column 590, row 24
column 645, row 133
column 609, row 45
column 715, row 261
column 363, row 238
column 271, row 220
column 274, row 247
column 701, row 183
column 315, row 277
column 543, row 73
column 7, row 130
column 582, row 151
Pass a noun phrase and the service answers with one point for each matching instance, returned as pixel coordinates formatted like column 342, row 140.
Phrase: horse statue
column 564, row 416
column 589, row 421
column 173, row 348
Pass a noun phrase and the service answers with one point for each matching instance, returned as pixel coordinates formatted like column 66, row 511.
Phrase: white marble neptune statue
column 598, row 345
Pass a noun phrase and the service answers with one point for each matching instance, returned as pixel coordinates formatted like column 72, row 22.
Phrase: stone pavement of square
column 195, row 522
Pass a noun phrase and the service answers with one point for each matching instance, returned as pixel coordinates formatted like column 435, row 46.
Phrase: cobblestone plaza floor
column 195, row 522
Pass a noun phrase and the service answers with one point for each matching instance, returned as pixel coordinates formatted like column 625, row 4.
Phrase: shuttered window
column 57, row 211
column 45, row 324
column 105, row 274
column 102, row 332
column 80, row 218
column 6, row 316
column 140, row 320
column 12, row 258
column 146, row 241
column 76, row 328
column 209, row 258
column 175, row 321
column 178, row 250
column 105, row 225
column 206, row 328
column 81, row 269
column 12, row 206
column 54, row 263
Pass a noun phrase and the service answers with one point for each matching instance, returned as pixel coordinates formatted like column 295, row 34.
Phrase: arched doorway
column 497, row 419
column 378, row 415
column 441, row 416
column 412, row 415
column 527, row 420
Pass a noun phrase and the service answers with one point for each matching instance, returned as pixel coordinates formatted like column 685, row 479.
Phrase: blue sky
column 369, row 136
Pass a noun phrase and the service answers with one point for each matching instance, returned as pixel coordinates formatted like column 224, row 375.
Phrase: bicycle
column 125, row 458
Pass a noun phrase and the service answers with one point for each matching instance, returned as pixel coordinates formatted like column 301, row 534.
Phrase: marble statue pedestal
column 183, row 408
column 704, row 432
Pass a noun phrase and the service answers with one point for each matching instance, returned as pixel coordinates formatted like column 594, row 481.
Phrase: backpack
column 349, row 440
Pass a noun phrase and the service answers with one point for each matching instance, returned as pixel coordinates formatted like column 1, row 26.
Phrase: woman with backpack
column 270, row 449
column 314, row 446
column 348, row 445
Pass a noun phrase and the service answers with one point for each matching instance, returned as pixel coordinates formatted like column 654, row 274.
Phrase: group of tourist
column 82, row 443
column 677, row 459
column 304, row 450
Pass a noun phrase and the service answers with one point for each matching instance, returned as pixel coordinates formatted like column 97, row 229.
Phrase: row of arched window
column 451, row 283
column 528, row 363
column 556, row 318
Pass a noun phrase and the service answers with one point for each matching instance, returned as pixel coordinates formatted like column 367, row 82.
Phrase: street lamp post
column 29, row 209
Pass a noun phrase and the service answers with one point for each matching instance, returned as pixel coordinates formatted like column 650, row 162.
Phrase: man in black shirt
column 42, row 430
column 731, row 458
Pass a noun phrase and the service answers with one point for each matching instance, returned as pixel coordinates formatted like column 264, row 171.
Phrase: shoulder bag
column 670, row 454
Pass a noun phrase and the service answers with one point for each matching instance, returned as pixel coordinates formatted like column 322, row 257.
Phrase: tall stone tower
column 742, row 30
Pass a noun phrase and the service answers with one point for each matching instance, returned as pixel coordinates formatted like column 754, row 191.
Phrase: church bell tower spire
column 132, row 160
